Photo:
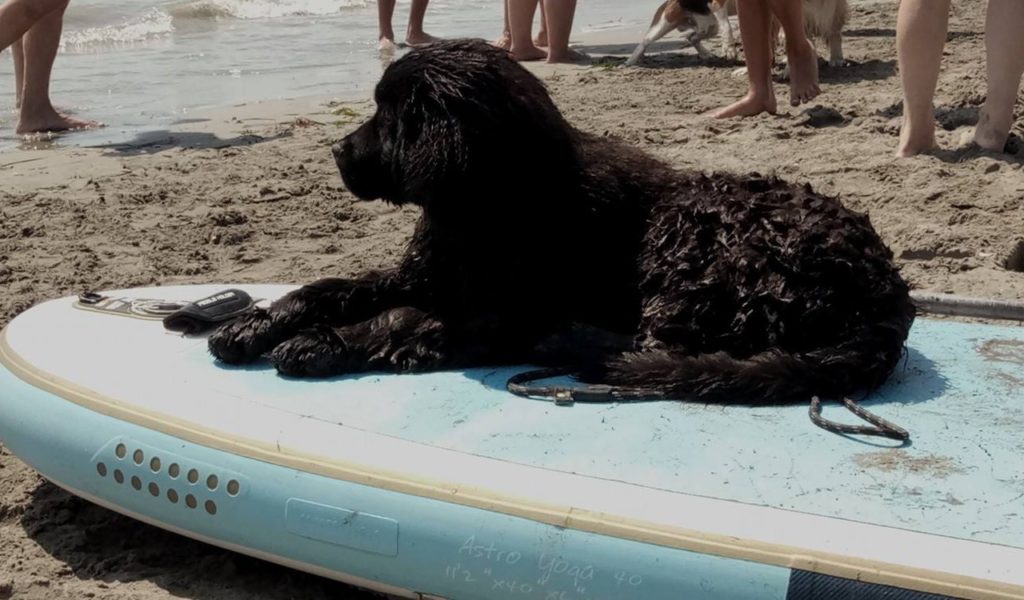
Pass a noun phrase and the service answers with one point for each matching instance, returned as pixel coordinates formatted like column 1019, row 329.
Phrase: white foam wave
column 259, row 9
column 151, row 25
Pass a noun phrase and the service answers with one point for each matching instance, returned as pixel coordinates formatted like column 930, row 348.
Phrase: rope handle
column 881, row 427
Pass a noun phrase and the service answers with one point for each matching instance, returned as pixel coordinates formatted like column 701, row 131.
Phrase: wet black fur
column 539, row 243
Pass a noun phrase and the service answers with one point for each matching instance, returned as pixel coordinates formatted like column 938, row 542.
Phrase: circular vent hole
column 211, row 507
column 118, row 476
column 190, row 501
column 212, row 482
column 154, row 464
column 174, row 470
column 233, row 488
column 1015, row 260
column 121, row 451
column 138, row 457
column 172, row 495
column 154, row 489
column 193, row 476
column 136, row 482
column 101, row 469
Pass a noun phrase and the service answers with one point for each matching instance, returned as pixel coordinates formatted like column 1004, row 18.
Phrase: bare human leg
column 755, row 33
column 1004, row 47
column 802, row 59
column 541, row 40
column 386, row 38
column 18, row 16
column 560, row 14
column 39, row 50
column 920, row 36
column 504, row 41
column 520, row 20
column 414, row 35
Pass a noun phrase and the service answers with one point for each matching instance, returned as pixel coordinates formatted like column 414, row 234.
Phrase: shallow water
column 143, row 65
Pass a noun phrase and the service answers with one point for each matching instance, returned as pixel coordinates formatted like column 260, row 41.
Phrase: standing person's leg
column 1004, row 47
column 542, row 34
column 801, row 57
column 560, row 14
column 414, row 35
column 19, row 71
column 39, row 50
column 18, row 16
column 920, row 37
column 520, row 21
column 385, row 12
column 755, row 33
column 504, row 41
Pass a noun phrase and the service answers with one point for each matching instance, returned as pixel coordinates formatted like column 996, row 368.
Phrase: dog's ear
column 432, row 145
column 466, row 114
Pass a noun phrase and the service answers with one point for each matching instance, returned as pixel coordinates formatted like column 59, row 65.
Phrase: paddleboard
column 444, row 485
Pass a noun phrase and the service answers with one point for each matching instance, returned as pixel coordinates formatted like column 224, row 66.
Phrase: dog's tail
column 863, row 362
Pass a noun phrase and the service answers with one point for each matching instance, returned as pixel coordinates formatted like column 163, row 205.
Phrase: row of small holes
column 173, row 470
column 154, row 489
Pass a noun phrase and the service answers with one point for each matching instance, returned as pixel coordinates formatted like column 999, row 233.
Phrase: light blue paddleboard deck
column 444, row 484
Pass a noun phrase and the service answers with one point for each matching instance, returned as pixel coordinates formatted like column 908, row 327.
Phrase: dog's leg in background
column 725, row 31
column 659, row 28
column 694, row 38
column 835, row 50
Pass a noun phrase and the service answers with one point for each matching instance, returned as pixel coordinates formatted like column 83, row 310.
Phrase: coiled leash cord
column 519, row 385
column 566, row 396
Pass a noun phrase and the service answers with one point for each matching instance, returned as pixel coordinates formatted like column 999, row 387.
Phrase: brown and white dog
column 702, row 19
column 697, row 19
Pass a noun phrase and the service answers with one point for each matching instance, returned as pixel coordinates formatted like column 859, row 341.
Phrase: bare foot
column 386, row 45
column 529, row 53
column 51, row 121
column 504, row 42
column 752, row 104
column 416, row 40
column 991, row 135
column 802, row 62
column 569, row 56
column 916, row 140
column 541, row 40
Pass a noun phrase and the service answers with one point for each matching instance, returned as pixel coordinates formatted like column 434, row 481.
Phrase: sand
column 250, row 195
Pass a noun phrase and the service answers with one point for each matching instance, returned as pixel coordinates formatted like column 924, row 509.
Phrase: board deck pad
column 959, row 481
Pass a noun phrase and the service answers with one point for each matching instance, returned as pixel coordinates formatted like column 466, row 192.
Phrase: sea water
column 141, row 65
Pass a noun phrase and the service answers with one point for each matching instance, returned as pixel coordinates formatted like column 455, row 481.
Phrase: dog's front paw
column 416, row 357
column 316, row 352
column 243, row 340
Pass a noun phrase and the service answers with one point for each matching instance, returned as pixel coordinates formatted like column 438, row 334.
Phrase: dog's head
column 453, row 119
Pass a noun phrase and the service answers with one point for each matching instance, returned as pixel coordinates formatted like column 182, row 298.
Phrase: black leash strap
column 520, row 385
column 567, row 396
column 881, row 427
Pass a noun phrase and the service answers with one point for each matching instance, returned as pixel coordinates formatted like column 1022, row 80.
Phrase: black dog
column 542, row 244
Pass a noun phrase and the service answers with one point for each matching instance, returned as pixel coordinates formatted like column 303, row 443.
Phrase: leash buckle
column 563, row 397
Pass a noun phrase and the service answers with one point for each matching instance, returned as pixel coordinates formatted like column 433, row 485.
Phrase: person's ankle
column 916, row 138
column 990, row 133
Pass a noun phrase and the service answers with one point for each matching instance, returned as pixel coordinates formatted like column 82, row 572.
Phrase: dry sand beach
column 251, row 195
